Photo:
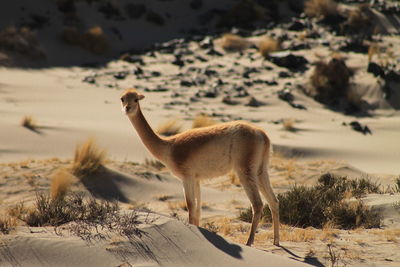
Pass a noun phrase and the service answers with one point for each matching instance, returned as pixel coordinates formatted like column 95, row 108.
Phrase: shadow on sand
column 105, row 184
column 221, row 244
column 309, row 260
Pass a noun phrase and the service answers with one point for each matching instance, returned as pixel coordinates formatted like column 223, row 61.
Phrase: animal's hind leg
column 192, row 195
column 250, row 186
column 266, row 190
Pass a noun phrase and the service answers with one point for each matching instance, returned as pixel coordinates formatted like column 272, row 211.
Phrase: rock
column 155, row 74
column 284, row 74
column 158, row 89
column 138, row 71
column 213, row 52
column 178, row 61
column 286, row 95
column 89, row 79
column 200, row 58
column 186, row 83
column 155, row 18
column 354, row 46
column 248, row 71
column 289, row 61
column 209, row 72
column 207, row 43
column 121, row 75
column 132, row 58
column 375, row 69
column 253, row 102
column 296, row 25
column 229, row 101
column 356, row 126
column 135, row 11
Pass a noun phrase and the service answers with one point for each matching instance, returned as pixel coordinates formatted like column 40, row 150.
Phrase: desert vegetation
column 29, row 122
column 234, row 43
column 268, row 45
column 170, row 127
column 88, row 158
column 93, row 40
column 203, row 120
column 328, row 202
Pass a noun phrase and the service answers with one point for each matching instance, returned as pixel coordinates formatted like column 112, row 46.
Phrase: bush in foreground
column 325, row 203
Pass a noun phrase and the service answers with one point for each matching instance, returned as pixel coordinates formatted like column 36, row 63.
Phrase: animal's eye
column 136, row 100
column 122, row 99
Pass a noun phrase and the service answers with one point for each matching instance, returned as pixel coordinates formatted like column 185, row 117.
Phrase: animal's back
column 213, row 151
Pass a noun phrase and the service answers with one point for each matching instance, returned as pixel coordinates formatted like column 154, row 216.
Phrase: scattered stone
column 288, row 97
column 375, row 69
column 289, row 61
column 121, row 75
column 241, row 91
column 138, row 71
column 209, row 72
column 186, row 83
column 248, row 71
column 202, row 59
column 354, row 46
column 178, row 61
column 296, row 25
column 253, row 102
column 89, row 79
column 284, row 74
column 158, row 89
column 213, row 52
column 132, row 58
column 229, row 101
column 207, row 43
column 356, row 126
column 155, row 73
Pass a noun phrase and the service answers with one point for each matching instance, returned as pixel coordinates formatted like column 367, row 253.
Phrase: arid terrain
column 322, row 79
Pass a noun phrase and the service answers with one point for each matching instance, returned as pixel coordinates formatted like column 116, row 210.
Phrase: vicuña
column 211, row 152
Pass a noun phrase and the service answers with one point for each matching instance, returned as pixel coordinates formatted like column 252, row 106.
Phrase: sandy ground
column 67, row 111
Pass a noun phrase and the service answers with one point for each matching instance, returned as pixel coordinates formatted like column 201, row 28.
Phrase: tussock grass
column 170, row 127
column 60, row 183
column 234, row 43
column 330, row 80
column 7, row 224
column 155, row 164
column 203, row 120
column 177, row 205
column 88, row 158
column 320, row 8
column 268, row 45
column 93, row 40
column 325, row 203
column 288, row 125
column 397, row 184
column 29, row 122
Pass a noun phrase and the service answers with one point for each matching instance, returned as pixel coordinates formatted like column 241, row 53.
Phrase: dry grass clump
column 325, row 203
column 155, row 164
column 330, row 80
column 88, row 158
column 288, row 125
column 60, row 183
column 20, row 40
column 203, row 120
column 234, row 43
column 93, row 40
column 29, row 122
column 320, row 8
column 397, row 184
column 177, row 205
column 268, row 45
column 170, row 127
column 7, row 224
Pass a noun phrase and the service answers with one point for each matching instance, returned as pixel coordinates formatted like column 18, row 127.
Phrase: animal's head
column 130, row 101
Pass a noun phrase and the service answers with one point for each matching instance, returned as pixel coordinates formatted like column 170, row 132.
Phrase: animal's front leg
column 192, row 196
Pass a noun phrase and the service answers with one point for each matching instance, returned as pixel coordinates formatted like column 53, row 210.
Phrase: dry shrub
column 176, row 205
column 93, row 40
column 29, row 122
column 268, row 45
column 324, row 203
column 234, row 43
column 330, row 80
column 170, row 127
column 60, row 183
column 155, row 164
column 320, row 8
column 203, row 120
column 88, row 158
column 7, row 224
column 20, row 40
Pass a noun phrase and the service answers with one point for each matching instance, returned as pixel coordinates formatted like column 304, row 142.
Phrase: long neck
column 154, row 143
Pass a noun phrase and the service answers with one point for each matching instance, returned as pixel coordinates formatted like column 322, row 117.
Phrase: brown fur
column 210, row 152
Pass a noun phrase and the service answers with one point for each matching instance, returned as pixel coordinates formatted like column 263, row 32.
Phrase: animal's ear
column 140, row 96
